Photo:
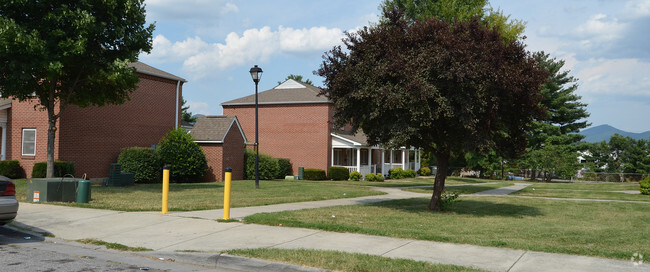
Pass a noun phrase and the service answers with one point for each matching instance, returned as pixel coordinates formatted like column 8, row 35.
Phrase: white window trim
column 23, row 142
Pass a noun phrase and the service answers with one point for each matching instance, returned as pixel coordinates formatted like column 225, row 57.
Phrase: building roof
column 213, row 129
column 289, row 92
column 357, row 138
column 152, row 71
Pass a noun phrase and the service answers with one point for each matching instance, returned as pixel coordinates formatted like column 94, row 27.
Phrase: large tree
column 70, row 52
column 458, row 10
column 558, row 128
column 428, row 85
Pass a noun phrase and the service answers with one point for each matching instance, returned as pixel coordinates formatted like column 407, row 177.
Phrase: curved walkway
column 190, row 231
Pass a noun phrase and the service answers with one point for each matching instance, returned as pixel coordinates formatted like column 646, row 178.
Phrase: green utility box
column 53, row 190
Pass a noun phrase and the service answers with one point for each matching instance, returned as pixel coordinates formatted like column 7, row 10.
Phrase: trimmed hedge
column 315, row 174
column 424, row 171
column 379, row 177
column 285, row 168
column 355, row 176
column 268, row 166
column 395, row 173
column 370, row 177
column 11, row 169
column 61, row 169
column 143, row 162
column 185, row 157
column 645, row 186
column 338, row 173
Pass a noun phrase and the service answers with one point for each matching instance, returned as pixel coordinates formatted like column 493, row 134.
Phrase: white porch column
column 383, row 162
column 332, row 157
column 3, row 154
column 391, row 159
column 404, row 154
column 370, row 159
column 359, row 159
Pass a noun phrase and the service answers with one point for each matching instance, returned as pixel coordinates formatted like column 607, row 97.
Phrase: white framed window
column 29, row 142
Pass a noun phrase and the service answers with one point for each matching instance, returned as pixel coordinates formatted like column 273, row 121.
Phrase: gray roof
column 214, row 128
column 152, row 71
column 358, row 137
column 289, row 92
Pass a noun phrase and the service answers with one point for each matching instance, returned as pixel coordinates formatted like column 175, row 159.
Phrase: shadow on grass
column 463, row 207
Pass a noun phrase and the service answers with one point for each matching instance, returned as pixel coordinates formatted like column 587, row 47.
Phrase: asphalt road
column 24, row 252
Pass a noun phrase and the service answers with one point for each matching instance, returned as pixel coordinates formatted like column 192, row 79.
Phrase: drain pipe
column 178, row 87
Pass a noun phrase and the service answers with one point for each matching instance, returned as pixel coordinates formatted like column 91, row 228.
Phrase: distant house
column 296, row 123
column 223, row 142
column 92, row 137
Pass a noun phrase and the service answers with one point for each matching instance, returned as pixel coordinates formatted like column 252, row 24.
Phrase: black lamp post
column 256, row 74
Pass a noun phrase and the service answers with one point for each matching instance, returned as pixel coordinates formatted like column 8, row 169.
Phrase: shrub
column 379, row 177
column 355, row 176
column 186, row 158
column 315, row 174
column 370, row 177
column 61, row 169
column 645, row 186
column 268, row 166
column 338, row 173
column 285, row 168
column 11, row 169
column 424, row 171
column 395, row 173
column 446, row 201
column 409, row 173
column 143, row 162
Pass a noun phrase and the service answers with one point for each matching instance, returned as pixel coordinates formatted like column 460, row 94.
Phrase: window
column 29, row 142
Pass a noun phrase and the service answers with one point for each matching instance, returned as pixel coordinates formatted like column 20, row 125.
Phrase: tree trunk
column 51, row 134
column 439, row 184
column 533, row 175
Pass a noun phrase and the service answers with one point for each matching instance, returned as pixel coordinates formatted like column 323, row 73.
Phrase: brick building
column 223, row 143
column 296, row 123
column 92, row 137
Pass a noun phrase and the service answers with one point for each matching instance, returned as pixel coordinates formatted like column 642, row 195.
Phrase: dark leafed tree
column 431, row 86
column 186, row 115
column 296, row 78
column 70, row 52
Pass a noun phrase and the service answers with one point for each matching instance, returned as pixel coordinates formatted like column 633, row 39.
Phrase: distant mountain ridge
column 604, row 132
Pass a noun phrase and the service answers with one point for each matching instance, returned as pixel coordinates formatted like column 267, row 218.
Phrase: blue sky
column 213, row 44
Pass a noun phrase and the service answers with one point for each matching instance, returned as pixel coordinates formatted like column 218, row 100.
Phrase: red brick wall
column 229, row 154
column 299, row 132
column 22, row 115
column 92, row 137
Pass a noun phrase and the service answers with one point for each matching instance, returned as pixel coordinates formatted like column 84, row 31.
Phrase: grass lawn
column 463, row 189
column 613, row 230
column 341, row 261
column 585, row 191
column 204, row 196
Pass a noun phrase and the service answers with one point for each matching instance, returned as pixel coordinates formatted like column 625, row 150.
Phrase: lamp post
column 256, row 74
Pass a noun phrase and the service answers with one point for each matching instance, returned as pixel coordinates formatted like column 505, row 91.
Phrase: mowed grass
column 205, row 196
column 608, row 190
column 605, row 229
column 463, row 189
column 341, row 261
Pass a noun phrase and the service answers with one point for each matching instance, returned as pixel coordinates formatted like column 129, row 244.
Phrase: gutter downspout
column 178, row 86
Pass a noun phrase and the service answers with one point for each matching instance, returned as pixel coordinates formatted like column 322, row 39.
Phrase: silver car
column 8, row 202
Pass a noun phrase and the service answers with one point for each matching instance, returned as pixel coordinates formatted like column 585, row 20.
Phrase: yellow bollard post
column 165, row 189
column 226, row 194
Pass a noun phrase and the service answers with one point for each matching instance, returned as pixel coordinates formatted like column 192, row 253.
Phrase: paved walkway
column 197, row 231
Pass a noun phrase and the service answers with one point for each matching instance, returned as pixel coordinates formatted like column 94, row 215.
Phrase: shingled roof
column 358, row 138
column 289, row 92
column 152, row 71
column 213, row 129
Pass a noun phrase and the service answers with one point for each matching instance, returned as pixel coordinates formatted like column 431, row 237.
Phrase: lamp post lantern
column 256, row 74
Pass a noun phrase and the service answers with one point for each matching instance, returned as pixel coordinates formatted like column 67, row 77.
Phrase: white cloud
column 199, row 108
column 637, row 8
column 600, row 29
column 253, row 45
column 621, row 77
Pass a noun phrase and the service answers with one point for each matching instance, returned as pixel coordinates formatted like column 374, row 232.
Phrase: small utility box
column 53, row 190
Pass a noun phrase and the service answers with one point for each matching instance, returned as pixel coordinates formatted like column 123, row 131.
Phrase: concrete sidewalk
column 185, row 231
